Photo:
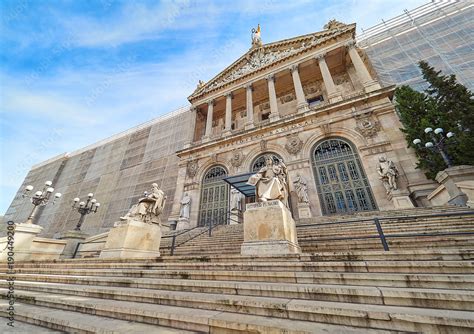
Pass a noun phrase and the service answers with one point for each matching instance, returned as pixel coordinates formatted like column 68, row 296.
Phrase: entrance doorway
column 214, row 197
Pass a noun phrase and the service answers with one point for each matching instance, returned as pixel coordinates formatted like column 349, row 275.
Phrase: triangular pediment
column 260, row 58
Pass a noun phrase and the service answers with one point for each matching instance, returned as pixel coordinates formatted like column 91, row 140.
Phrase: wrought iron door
column 341, row 182
column 214, row 197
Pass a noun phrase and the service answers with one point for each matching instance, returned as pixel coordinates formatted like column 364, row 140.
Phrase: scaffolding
column 440, row 33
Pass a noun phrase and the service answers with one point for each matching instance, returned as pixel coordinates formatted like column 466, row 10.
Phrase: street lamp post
column 438, row 144
column 39, row 198
column 84, row 208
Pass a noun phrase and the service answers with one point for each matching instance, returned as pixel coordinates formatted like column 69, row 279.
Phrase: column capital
column 270, row 77
column 321, row 57
column 248, row 86
column 194, row 109
column 293, row 67
column 229, row 95
column 350, row 44
column 210, row 103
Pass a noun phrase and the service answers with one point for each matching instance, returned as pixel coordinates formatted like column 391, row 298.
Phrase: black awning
column 239, row 182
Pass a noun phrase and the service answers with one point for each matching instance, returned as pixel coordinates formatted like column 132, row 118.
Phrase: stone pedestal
column 467, row 187
column 303, row 210
column 25, row 233
column 73, row 238
column 269, row 229
column 183, row 224
column 450, row 176
column 133, row 239
column 400, row 199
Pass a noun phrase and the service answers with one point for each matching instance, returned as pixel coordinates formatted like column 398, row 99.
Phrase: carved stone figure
column 294, row 144
column 192, row 168
column 256, row 38
column 270, row 181
column 367, row 126
column 333, row 24
column 237, row 158
column 185, row 206
column 235, row 200
column 149, row 208
column 301, row 187
column 388, row 174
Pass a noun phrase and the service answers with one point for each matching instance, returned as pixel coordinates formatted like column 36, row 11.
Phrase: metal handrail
column 212, row 224
column 380, row 233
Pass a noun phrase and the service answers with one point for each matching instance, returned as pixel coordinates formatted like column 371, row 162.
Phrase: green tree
column 445, row 104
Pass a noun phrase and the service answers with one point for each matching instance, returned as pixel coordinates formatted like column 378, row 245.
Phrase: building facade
column 318, row 102
column 313, row 102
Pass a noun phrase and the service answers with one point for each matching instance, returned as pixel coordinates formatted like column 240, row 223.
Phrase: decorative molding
column 325, row 128
column 367, row 125
column 192, row 168
column 263, row 145
column 294, row 144
column 237, row 158
column 287, row 98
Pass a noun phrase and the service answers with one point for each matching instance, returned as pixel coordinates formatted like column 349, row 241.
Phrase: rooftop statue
column 256, row 39
column 149, row 208
column 270, row 181
column 333, row 24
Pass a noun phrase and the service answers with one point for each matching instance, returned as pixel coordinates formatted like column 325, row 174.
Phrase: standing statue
column 235, row 200
column 301, row 189
column 270, row 181
column 388, row 174
column 149, row 208
column 185, row 206
column 256, row 39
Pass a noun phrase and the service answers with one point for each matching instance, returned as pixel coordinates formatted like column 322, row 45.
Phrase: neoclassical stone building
column 312, row 101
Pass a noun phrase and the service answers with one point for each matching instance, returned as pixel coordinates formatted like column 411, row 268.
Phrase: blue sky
column 74, row 72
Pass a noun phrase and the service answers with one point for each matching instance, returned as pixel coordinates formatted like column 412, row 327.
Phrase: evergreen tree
column 445, row 104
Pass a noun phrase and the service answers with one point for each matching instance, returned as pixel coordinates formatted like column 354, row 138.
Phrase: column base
column 269, row 229
column 205, row 139
column 303, row 107
column 371, row 86
column 249, row 126
column 274, row 118
column 227, row 133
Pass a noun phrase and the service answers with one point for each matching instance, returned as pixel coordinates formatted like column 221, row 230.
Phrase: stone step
column 437, row 281
column 64, row 310
column 433, row 298
column 446, row 267
column 348, row 314
column 74, row 322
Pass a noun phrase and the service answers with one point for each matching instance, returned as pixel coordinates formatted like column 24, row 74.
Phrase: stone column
column 301, row 103
column 361, row 70
column 250, row 123
column 333, row 94
column 228, row 114
column 210, row 110
column 274, row 115
column 189, row 142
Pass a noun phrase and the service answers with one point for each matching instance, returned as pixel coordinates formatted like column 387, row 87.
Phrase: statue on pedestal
column 185, row 206
column 388, row 174
column 256, row 38
column 149, row 208
column 301, row 189
column 270, row 181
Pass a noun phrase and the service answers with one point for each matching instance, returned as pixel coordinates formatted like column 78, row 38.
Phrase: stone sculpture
column 301, row 188
column 388, row 174
column 270, row 181
column 256, row 38
column 149, row 208
column 235, row 200
column 185, row 206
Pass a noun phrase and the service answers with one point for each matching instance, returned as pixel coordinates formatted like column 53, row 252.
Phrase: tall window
column 341, row 182
column 214, row 200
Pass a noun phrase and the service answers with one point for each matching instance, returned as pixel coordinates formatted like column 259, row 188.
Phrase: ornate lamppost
column 84, row 208
column 438, row 144
column 39, row 198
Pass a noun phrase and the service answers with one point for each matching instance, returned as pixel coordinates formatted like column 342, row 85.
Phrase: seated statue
column 149, row 208
column 270, row 181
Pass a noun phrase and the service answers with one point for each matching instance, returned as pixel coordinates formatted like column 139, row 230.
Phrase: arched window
column 214, row 200
column 340, row 179
column 259, row 162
